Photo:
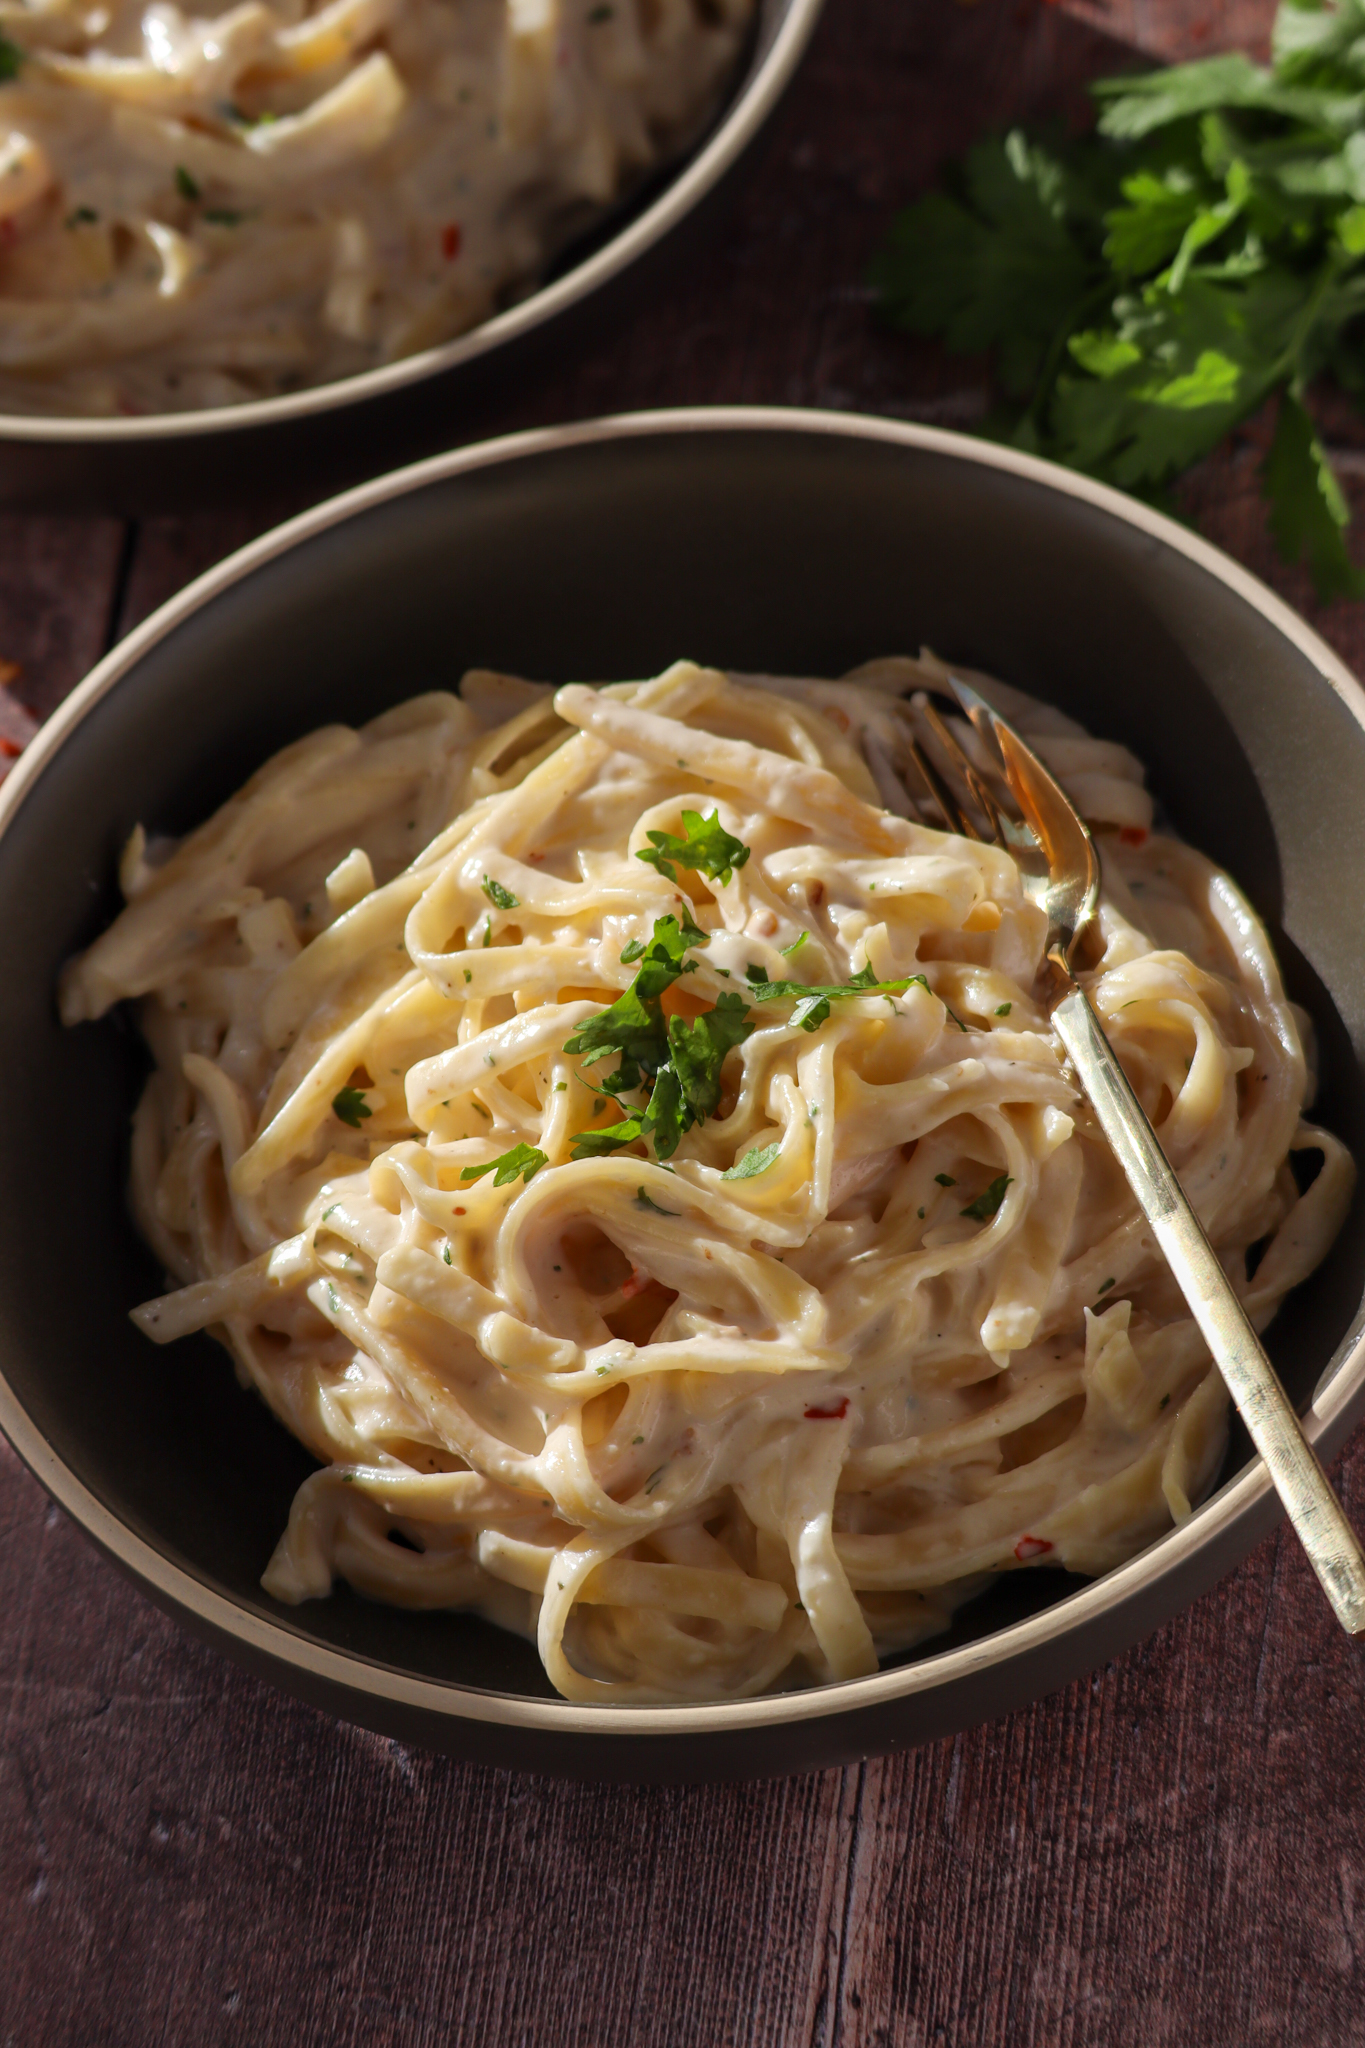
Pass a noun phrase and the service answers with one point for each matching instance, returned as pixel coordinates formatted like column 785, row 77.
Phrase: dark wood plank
column 57, row 587
column 1170, row 1852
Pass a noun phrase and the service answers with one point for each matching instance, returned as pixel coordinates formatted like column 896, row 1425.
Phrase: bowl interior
column 768, row 549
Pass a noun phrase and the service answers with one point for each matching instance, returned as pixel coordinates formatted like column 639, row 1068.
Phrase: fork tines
column 935, row 767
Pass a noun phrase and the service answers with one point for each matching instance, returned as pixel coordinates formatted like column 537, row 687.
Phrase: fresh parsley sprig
column 1145, row 289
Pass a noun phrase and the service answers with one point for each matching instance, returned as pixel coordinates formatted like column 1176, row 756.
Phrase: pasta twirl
column 619, row 1138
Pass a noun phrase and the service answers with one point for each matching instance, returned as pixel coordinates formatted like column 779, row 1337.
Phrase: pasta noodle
column 618, row 1137
column 197, row 211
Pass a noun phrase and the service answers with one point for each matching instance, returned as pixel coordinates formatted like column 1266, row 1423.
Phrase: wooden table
column 1171, row 1852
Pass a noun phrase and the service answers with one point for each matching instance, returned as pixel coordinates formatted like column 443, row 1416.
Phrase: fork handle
column 1317, row 1515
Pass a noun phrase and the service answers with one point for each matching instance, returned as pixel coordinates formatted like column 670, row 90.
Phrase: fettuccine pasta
column 619, row 1136
column 195, row 211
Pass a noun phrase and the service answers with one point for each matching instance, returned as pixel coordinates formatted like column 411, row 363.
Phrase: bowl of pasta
column 216, row 232
column 588, row 1253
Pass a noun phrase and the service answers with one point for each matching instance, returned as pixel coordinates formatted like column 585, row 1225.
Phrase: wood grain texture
column 1170, row 1854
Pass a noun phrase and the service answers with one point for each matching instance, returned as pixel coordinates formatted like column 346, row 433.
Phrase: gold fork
column 1065, row 884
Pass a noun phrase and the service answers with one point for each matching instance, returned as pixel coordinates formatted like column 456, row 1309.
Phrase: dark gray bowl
column 761, row 540
column 432, row 399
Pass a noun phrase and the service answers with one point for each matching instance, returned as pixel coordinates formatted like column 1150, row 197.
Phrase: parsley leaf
column 598, row 1144
column 11, row 58
column 697, row 1048
column 996, row 263
column 523, row 1161
column 350, row 1105
column 795, row 947
column 644, row 1202
column 1308, row 513
column 185, row 185
column 708, row 848
column 986, row 1203
column 495, row 893
column 812, row 1003
column 753, row 1162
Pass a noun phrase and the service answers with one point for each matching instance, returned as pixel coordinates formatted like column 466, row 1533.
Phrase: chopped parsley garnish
column 223, row 216
column 185, row 185
column 644, row 1202
column 445, row 1254
column 634, row 1024
column 350, row 1105
column 795, row 947
column 708, row 848
column 945, row 1180
column 677, row 1058
column 634, row 951
column 596, row 16
column 86, row 216
column 1105, row 1286
column 986, row 1204
column 755, row 975
column 11, row 57
column 1004, row 1009
column 522, row 1162
column 753, row 1162
column 495, row 893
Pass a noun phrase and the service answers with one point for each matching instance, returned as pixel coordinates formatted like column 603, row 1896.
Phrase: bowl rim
column 747, row 112
column 261, row 1639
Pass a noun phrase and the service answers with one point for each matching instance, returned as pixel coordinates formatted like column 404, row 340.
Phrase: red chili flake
column 837, row 717
column 451, row 237
column 9, row 749
column 537, row 856
column 834, row 1414
column 1134, row 835
column 1031, row 1546
column 636, row 1284
column 459, row 1212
